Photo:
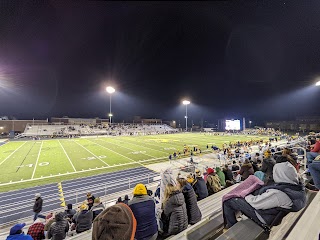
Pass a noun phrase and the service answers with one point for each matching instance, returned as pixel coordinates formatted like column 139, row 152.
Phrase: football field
column 30, row 163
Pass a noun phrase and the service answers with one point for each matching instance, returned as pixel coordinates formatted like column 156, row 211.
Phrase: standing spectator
column 221, row 177
column 115, row 222
column 174, row 216
column 199, row 186
column 213, row 182
column 59, row 228
column 97, row 208
column 126, row 199
column 246, row 170
column 37, row 207
column 315, row 150
column 84, row 219
column 36, row 230
column 193, row 211
column 143, row 208
column 267, row 167
column 16, row 233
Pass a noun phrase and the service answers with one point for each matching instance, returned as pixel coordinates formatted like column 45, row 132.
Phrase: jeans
column 234, row 205
column 315, row 173
column 311, row 156
column 38, row 215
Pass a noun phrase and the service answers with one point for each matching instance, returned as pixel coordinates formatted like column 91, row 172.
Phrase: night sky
column 253, row 59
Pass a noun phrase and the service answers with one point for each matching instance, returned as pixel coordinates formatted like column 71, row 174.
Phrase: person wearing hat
column 36, row 230
column 315, row 150
column 143, row 208
column 16, row 233
column 213, row 182
column 97, row 208
column 90, row 200
column 84, row 219
column 59, row 228
column 115, row 222
column 199, row 186
column 37, row 207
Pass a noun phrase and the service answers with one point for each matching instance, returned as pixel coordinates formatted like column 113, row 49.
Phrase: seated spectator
column 16, row 233
column 227, row 173
column 213, row 182
column 36, row 230
column 119, row 200
column 199, row 186
column 59, row 228
column 221, row 176
column 267, row 167
column 246, row 170
column 126, row 199
column 90, row 200
column 315, row 150
column 314, row 169
column 235, row 167
column 143, row 208
column 193, row 211
column 84, row 219
column 49, row 220
column 115, row 222
column 97, row 208
column 257, row 158
column 174, row 216
column 69, row 211
column 267, row 203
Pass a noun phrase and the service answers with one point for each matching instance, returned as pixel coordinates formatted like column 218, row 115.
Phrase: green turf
column 58, row 160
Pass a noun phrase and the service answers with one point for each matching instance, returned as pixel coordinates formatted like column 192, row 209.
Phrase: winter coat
column 193, row 211
column 84, row 221
column 228, row 174
column 143, row 208
column 96, row 210
column 174, row 215
column 200, row 188
column 59, row 228
column 37, row 207
column 213, row 184
column 267, row 168
column 19, row 237
column 221, row 176
column 36, row 231
column 246, row 170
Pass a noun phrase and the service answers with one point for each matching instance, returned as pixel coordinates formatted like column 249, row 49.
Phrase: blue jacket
column 19, row 237
column 200, row 188
column 143, row 208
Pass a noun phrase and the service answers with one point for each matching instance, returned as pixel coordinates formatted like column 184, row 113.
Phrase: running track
column 18, row 204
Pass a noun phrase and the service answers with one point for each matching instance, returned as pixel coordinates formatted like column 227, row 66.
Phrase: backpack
column 213, row 184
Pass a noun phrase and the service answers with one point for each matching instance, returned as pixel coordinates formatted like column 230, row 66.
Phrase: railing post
column 129, row 183
column 148, row 178
column 105, row 189
column 76, row 197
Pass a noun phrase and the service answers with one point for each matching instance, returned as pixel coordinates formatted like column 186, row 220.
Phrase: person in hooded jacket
column 221, row 176
column 97, row 208
column 227, row 173
column 246, row 170
column 267, row 167
column 174, row 216
column 213, row 182
column 83, row 219
column 59, row 228
column 270, row 202
column 70, row 212
column 193, row 211
column 16, row 233
column 36, row 230
column 199, row 186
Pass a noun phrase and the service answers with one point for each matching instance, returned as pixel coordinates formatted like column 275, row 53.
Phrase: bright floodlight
column 110, row 90
column 318, row 83
column 186, row 102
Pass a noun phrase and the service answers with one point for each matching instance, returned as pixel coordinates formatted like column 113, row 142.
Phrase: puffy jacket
column 84, row 221
column 213, row 184
column 96, row 210
column 193, row 211
column 221, row 176
column 37, row 207
column 59, row 228
column 143, row 208
column 267, row 168
column 200, row 188
column 228, row 174
column 246, row 170
column 174, row 214
column 19, row 237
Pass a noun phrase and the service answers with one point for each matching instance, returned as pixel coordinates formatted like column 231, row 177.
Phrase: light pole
column 186, row 102
column 110, row 90
column 250, row 123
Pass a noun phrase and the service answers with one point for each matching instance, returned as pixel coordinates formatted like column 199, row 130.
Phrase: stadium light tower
column 186, row 102
column 110, row 90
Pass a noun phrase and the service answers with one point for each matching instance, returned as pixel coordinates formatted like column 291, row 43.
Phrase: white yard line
column 67, row 156
column 12, row 153
column 128, row 148
column 35, row 166
column 116, row 153
column 91, row 153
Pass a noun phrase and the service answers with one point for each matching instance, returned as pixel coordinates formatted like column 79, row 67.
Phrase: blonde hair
column 182, row 181
column 168, row 191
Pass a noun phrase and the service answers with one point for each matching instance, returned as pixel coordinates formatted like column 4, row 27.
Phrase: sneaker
column 311, row 187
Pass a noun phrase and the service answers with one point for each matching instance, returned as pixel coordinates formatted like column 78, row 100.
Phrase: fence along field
column 29, row 163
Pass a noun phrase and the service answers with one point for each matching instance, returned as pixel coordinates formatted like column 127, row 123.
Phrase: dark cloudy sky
column 254, row 59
